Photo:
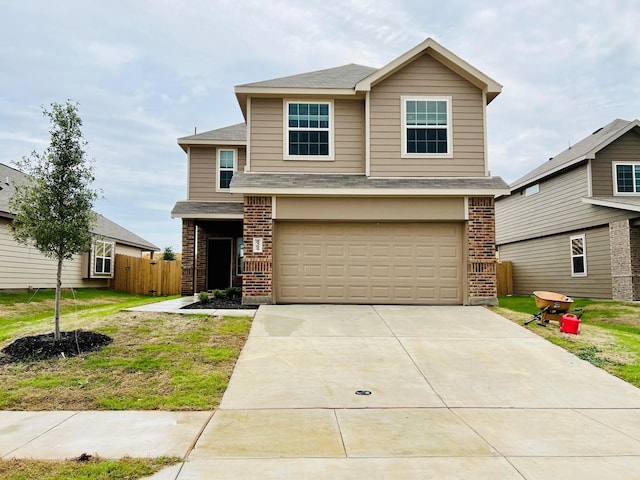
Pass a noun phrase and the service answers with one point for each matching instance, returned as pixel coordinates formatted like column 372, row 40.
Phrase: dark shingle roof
column 186, row 209
column 233, row 133
column 268, row 182
column 104, row 226
column 582, row 150
column 345, row 76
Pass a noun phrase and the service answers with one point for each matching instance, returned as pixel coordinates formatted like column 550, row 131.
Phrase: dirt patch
column 226, row 303
column 41, row 347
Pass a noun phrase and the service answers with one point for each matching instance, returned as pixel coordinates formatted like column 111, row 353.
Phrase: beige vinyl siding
column 426, row 77
column 202, row 173
column 624, row 149
column 556, row 208
column 267, row 139
column 25, row 267
column 129, row 251
column 545, row 264
column 375, row 209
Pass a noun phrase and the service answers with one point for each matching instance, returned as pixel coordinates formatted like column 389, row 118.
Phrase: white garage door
column 383, row 263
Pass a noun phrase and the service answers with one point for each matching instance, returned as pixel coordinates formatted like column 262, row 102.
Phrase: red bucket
column 570, row 324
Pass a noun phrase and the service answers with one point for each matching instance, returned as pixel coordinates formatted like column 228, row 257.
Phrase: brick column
column 188, row 255
column 481, row 252
column 257, row 278
column 201, row 260
column 624, row 243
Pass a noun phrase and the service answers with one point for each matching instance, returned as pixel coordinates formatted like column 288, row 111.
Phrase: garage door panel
column 368, row 262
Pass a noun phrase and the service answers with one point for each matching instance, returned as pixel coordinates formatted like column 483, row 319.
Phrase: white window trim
column 615, row 179
column 239, row 256
column 532, row 190
column 218, row 169
column 285, row 130
column 584, row 254
column 403, row 125
column 94, row 257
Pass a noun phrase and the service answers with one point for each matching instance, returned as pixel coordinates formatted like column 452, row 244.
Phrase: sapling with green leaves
column 54, row 208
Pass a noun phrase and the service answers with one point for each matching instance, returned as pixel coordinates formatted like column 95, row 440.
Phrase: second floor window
column 308, row 129
column 226, row 167
column 426, row 126
column 627, row 178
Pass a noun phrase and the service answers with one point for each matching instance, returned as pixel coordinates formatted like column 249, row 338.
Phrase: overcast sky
column 148, row 71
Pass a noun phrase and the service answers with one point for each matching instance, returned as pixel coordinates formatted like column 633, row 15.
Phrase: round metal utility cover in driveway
column 368, row 262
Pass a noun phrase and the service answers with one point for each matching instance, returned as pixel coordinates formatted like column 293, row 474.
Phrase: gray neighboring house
column 25, row 267
column 572, row 225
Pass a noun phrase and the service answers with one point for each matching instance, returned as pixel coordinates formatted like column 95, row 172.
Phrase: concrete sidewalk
column 177, row 306
column 454, row 392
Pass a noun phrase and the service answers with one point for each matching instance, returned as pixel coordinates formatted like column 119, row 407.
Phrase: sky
column 145, row 72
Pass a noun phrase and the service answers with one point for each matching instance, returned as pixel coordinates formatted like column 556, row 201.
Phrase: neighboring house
column 25, row 267
column 572, row 225
column 348, row 185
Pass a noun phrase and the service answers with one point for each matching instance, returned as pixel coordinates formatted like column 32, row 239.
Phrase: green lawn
column 609, row 337
column 156, row 361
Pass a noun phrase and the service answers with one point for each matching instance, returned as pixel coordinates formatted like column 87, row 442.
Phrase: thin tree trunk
column 56, row 334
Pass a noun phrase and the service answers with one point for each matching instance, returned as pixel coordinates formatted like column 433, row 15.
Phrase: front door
column 219, row 263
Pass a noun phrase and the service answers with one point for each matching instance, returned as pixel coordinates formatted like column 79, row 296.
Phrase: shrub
column 234, row 292
column 220, row 294
column 203, row 297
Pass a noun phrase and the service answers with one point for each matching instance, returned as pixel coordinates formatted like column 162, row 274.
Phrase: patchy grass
column 95, row 468
column 156, row 361
column 28, row 313
column 609, row 336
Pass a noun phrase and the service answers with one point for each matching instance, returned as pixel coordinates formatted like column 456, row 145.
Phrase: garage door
column 383, row 263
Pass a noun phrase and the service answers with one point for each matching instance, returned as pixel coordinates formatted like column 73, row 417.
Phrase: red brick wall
column 188, row 252
column 481, row 238
column 257, row 280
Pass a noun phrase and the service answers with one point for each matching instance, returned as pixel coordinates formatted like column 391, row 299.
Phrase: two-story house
column 572, row 224
column 348, row 185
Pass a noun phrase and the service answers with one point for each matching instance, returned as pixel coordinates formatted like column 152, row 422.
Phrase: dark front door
column 219, row 263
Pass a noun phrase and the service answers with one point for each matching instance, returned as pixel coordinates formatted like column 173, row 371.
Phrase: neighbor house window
column 103, row 257
column 578, row 256
column 532, row 190
column 239, row 256
column 226, row 167
column 627, row 178
column 426, row 126
column 308, row 130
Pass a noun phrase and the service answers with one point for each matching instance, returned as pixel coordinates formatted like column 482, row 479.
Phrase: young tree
column 168, row 254
column 54, row 209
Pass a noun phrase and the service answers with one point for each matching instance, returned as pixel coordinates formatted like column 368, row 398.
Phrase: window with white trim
column 626, row 178
column 103, row 252
column 578, row 256
column 426, row 126
column 532, row 190
column 226, row 167
column 308, row 130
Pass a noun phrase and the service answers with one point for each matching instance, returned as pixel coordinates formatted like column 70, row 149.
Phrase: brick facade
column 625, row 260
column 257, row 280
column 188, row 255
column 481, row 253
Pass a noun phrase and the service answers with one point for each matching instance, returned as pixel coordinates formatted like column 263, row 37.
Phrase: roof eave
column 304, row 191
column 550, row 173
column 491, row 88
column 209, row 216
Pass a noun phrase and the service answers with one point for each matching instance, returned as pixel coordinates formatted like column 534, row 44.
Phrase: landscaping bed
column 231, row 299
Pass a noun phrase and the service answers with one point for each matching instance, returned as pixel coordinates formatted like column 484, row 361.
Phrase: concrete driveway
column 445, row 392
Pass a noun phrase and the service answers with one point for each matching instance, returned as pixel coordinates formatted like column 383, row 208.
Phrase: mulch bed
column 41, row 347
column 226, row 303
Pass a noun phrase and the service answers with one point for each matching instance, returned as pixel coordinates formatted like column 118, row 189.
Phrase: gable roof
column 585, row 149
column 104, row 227
column 355, row 79
column 231, row 135
column 444, row 56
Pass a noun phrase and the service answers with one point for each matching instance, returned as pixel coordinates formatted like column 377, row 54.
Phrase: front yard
column 609, row 336
column 156, row 361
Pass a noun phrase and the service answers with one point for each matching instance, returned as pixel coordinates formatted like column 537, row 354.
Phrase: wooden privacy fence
column 504, row 278
column 144, row 276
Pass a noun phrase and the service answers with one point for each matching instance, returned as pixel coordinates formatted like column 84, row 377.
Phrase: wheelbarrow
column 552, row 307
